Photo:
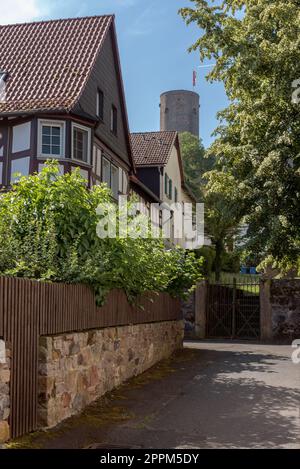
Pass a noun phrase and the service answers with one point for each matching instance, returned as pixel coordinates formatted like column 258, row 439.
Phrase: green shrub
column 231, row 262
column 208, row 254
column 48, row 232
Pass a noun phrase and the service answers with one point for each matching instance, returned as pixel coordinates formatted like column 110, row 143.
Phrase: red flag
column 194, row 78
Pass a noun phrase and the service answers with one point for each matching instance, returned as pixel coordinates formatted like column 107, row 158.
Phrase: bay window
column 115, row 181
column 106, row 171
column 110, row 175
column 51, row 139
column 81, row 143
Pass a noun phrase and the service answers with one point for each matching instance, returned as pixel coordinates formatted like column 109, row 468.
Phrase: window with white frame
column 97, row 154
column 106, row 171
column 110, row 175
column 115, row 181
column 123, row 181
column 51, row 139
column 81, row 143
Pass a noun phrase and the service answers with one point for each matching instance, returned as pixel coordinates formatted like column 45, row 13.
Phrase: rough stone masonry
column 4, row 392
column 76, row 369
column 285, row 306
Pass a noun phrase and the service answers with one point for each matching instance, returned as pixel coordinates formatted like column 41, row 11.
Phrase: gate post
column 200, row 310
column 265, row 310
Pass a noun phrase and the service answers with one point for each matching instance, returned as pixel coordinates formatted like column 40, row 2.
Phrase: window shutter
column 170, row 189
column 166, row 184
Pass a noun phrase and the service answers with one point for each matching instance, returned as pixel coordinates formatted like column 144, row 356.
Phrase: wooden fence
column 30, row 309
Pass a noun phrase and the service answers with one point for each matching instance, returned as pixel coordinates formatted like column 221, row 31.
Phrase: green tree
column 221, row 210
column 255, row 44
column 222, row 214
column 195, row 162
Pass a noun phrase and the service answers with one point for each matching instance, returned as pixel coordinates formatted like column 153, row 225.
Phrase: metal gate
column 233, row 310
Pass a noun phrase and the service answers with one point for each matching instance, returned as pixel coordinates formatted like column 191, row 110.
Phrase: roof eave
column 151, row 165
column 33, row 112
column 137, row 182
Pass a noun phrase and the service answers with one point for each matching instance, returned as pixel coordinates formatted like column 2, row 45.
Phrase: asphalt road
column 213, row 395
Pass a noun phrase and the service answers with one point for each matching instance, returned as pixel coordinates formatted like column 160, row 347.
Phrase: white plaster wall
column 21, row 137
column 21, row 165
column 173, row 171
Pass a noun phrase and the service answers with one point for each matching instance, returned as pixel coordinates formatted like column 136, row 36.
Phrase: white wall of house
column 21, row 137
column 172, row 169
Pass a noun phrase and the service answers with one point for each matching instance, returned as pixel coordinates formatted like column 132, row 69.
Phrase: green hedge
column 48, row 232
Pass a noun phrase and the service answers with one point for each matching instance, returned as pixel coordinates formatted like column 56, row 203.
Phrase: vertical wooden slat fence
column 30, row 309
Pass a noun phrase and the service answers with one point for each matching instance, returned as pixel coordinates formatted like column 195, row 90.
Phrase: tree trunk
column 218, row 259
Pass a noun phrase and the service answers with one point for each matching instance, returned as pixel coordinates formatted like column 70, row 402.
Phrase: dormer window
column 3, row 76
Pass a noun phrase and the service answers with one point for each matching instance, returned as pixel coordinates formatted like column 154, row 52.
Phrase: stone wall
column 188, row 312
column 285, row 308
column 76, row 369
column 194, row 313
column 4, row 391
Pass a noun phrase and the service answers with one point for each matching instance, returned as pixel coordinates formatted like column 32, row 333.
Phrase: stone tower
column 179, row 110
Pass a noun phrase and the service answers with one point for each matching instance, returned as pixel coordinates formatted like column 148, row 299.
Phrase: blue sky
column 153, row 42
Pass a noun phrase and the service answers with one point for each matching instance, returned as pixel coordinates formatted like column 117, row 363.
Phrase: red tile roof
column 49, row 62
column 152, row 148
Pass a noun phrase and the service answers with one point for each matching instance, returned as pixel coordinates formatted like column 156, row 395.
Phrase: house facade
column 64, row 99
column 159, row 167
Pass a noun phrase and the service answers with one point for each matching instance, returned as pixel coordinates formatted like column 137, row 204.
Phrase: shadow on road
column 217, row 395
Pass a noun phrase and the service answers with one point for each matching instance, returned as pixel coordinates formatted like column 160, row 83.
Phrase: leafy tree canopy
column 195, row 162
column 256, row 47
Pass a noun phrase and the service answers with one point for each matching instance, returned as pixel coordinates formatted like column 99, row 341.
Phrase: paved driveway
column 213, row 395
